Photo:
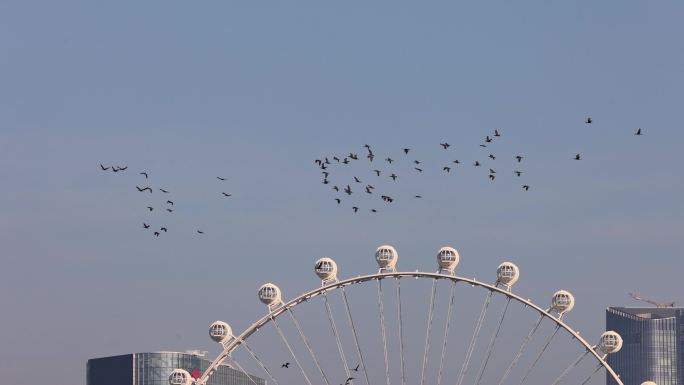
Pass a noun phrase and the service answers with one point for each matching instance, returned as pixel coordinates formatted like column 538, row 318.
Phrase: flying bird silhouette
column 356, row 369
column 338, row 200
column 476, row 164
column 156, row 233
column 488, row 139
column 389, row 160
column 445, row 145
column 393, row 176
column 496, row 133
column 418, row 169
column 145, row 225
column 143, row 189
column 150, row 208
column 374, row 210
column 334, row 188
column 164, row 229
column 517, row 172
column 219, row 178
column 164, row 191
column 200, row 232
column 169, row 210
column 447, row 169
column 225, row 195
column 144, row 173
column 377, row 172
column 492, row 176
column 577, row 157
column 357, row 180
column 456, row 161
column 588, row 121
column 638, row 132
column 169, row 202
column 348, row 190
column 482, row 145
column 491, row 171
column 103, row 167
column 285, row 365
column 526, row 187
column 519, row 158
column 406, row 150
column 356, row 209
column 417, row 196
column 492, row 156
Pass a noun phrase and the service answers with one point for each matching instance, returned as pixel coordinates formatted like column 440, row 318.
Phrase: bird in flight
column 389, row 160
column 145, row 225
column 325, row 174
column 336, row 159
column 492, row 176
column 227, row 195
column 517, row 172
column 357, row 180
column 577, row 157
column 377, row 172
column 370, row 156
column 104, row 168
column 588, row 121
column 285, row 365
column 491, row 171
column 482, row 145
column 456, row 161
column 393, row 176
column 354, row 156
column 526, row 187
column 200, row 232
column 519, row 158
column 406, row 150
column 417, row 196
column 496, row 133
column 170, row 202
column 334, row 188
column 416, row 161
column 144, row 173
column 348, row 190
column 348, row 380
column 638, row 132
column 488, row 139
column 418, row 169
column 119, row 168
column 476, row 164
column 325, row 181
column 169, row 210
column 164, row 229
column 356, row 369
column 143, row 189
column 150, row 208
column 338, row 200
column 156, row 233
column 164, row 191
column 356, row 209
column 445, row 145
column 374, row 210
column 492, row 156
column 447, row 169
column 368, row 190
column 219, row 178
column 345, row 161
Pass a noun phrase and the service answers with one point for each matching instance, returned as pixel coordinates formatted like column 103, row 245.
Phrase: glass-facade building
column 155, row 369
column 653, row 348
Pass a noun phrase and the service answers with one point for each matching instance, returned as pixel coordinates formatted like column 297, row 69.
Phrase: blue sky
column 256, row 91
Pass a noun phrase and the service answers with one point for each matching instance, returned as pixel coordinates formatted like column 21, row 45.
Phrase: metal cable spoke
column 306, row 342
column 446, row 334
column 429, row 328
column 337, row 336
column 401, row 334
column 251, row 353
column 569, row 368
column 598, row 367
column 492, row 342
column 234, row 362
column 473, row 340
column 382, row 329
column 521, row 350
column 541, row 352
column 287, row 344
column 356, row 338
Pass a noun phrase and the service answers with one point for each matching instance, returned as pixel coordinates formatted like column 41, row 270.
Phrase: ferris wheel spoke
column 237, row 364
column 336, row 334
column 429, row 328
column 306, row 342
column 446, row 334
column 401, row 333
column 256, row 358
column 493, row 341
column 356, row 338
column 287, row 344
column 382, row 329
column 598, row 367
column 569, row 368
column 539, row 355
column 521, row 350
column 473, row 340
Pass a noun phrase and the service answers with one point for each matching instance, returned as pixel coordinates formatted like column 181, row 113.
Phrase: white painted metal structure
column 386, row 256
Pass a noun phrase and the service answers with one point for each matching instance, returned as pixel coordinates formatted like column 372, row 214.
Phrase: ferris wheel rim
column 236, row 341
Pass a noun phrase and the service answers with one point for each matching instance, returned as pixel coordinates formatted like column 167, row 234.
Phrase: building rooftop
column 651, row 312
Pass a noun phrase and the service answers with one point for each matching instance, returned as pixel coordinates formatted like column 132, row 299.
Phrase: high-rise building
column 653, row 348
column 155, row 369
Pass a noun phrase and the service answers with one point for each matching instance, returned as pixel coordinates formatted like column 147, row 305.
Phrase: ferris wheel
column 394, row 327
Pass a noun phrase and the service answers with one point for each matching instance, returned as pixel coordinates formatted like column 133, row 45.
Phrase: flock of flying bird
column 326, row 164
column 169, row 204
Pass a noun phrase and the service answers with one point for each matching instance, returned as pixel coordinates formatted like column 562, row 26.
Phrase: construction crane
column 652, row 302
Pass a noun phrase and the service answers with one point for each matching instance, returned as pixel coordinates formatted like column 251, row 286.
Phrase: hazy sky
column 255, row 92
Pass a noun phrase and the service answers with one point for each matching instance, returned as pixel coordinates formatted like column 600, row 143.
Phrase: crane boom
column 652, row 302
